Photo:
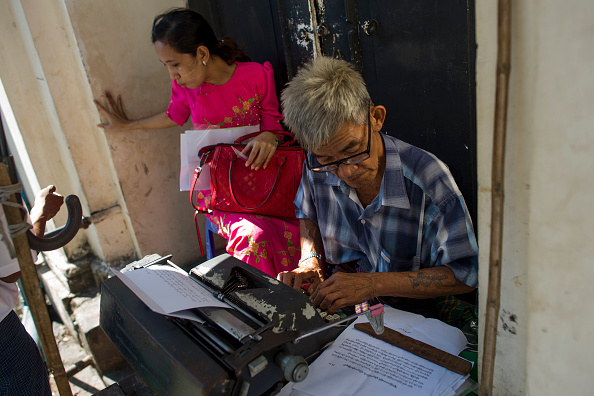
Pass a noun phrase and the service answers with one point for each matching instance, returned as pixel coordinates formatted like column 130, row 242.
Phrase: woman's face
column 186, row 69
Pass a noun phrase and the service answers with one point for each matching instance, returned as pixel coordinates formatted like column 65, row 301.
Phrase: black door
column 417, row 58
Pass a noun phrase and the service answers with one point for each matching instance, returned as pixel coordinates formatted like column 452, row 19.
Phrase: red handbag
column 237, row 188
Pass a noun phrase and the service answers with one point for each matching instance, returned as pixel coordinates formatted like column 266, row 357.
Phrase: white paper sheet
column 358, row 364
column 192, row 141
column 168, row 290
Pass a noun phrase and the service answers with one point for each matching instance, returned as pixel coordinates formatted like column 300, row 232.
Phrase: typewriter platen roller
column 245, row 350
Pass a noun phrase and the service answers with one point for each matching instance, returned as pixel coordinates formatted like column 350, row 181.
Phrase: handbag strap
column 196, row 213
column 205, row 154
column 199, row 209
column 281, row 159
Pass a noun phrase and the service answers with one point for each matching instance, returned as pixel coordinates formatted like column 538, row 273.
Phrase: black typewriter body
column 247, row 350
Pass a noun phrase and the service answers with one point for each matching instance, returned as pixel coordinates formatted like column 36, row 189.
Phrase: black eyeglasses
column 352, row 160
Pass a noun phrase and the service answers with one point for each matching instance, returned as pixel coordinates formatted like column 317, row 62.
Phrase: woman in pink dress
column 214, row 85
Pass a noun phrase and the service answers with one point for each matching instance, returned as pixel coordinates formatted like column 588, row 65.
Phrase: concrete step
column 76, row 275
column 78, row 309
column 85, row 311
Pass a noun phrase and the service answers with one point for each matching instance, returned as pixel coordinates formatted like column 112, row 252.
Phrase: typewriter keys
column 332, row 317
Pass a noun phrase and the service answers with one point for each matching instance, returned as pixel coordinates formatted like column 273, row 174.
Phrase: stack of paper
column 192, row 141
column 358, row 364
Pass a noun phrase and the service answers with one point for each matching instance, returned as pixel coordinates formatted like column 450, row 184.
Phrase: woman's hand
column 117, row 120
column 260, row 149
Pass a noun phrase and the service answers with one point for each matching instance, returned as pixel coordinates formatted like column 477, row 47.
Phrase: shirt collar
column 393, row 191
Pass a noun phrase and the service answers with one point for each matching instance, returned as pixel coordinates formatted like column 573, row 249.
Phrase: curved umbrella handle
column 57, row 238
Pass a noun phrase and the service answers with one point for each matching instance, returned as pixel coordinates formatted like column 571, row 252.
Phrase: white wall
column 545, row 325
column 55, row 57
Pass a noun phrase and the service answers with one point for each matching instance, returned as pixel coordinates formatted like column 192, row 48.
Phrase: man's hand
column 260, row 150
column 47, row 205
column 344, row 289
column 308, row 272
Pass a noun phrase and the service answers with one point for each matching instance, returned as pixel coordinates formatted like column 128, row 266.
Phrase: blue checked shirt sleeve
column 304, row 202
column 454, row 243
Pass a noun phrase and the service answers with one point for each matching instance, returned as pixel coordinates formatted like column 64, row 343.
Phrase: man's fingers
column 336, row 305
column 285, row 277
column 328, row 302
column 295, row 280
column 313, row 286
column 324, row 289
column 298, row 281
column 288, row 278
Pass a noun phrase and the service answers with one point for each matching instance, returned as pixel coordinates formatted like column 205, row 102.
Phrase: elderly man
column 387, row 217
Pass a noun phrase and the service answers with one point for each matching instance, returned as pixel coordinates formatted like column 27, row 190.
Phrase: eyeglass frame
column 334, row 165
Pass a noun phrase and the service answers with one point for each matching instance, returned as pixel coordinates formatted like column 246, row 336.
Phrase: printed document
column 358, row 364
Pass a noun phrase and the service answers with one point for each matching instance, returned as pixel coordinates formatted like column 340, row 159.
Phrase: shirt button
column 363, row 221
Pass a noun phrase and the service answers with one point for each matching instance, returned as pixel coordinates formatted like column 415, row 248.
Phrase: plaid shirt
column 383, row 236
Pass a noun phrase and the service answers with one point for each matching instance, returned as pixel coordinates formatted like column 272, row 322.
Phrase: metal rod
column 79, row 366
column 225, row 299
column 100, row 215
column 327, row 326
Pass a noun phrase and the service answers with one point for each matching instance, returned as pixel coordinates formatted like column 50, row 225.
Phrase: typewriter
column 268, row 337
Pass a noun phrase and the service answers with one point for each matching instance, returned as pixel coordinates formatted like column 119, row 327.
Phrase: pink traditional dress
column 248, row 98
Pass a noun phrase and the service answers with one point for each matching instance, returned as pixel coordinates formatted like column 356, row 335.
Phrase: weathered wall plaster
column 544, row 332
column 114, row 42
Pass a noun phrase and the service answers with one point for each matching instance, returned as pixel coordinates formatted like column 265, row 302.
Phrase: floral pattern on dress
column 254, row 245
column 289, row 253
column 246, row 112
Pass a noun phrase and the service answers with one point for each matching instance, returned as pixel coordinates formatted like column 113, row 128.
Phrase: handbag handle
column 282, row 134
column 205, row 153
column 232, row 158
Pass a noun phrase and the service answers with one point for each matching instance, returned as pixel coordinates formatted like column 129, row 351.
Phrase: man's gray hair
column 323, row 96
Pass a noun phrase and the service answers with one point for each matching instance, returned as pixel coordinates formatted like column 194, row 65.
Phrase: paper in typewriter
column 169, row 290
column 358, row 364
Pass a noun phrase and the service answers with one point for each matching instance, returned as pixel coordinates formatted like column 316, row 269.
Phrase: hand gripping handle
column 57, row 238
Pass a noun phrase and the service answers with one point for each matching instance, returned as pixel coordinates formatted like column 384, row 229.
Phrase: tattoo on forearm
column 423, row 279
